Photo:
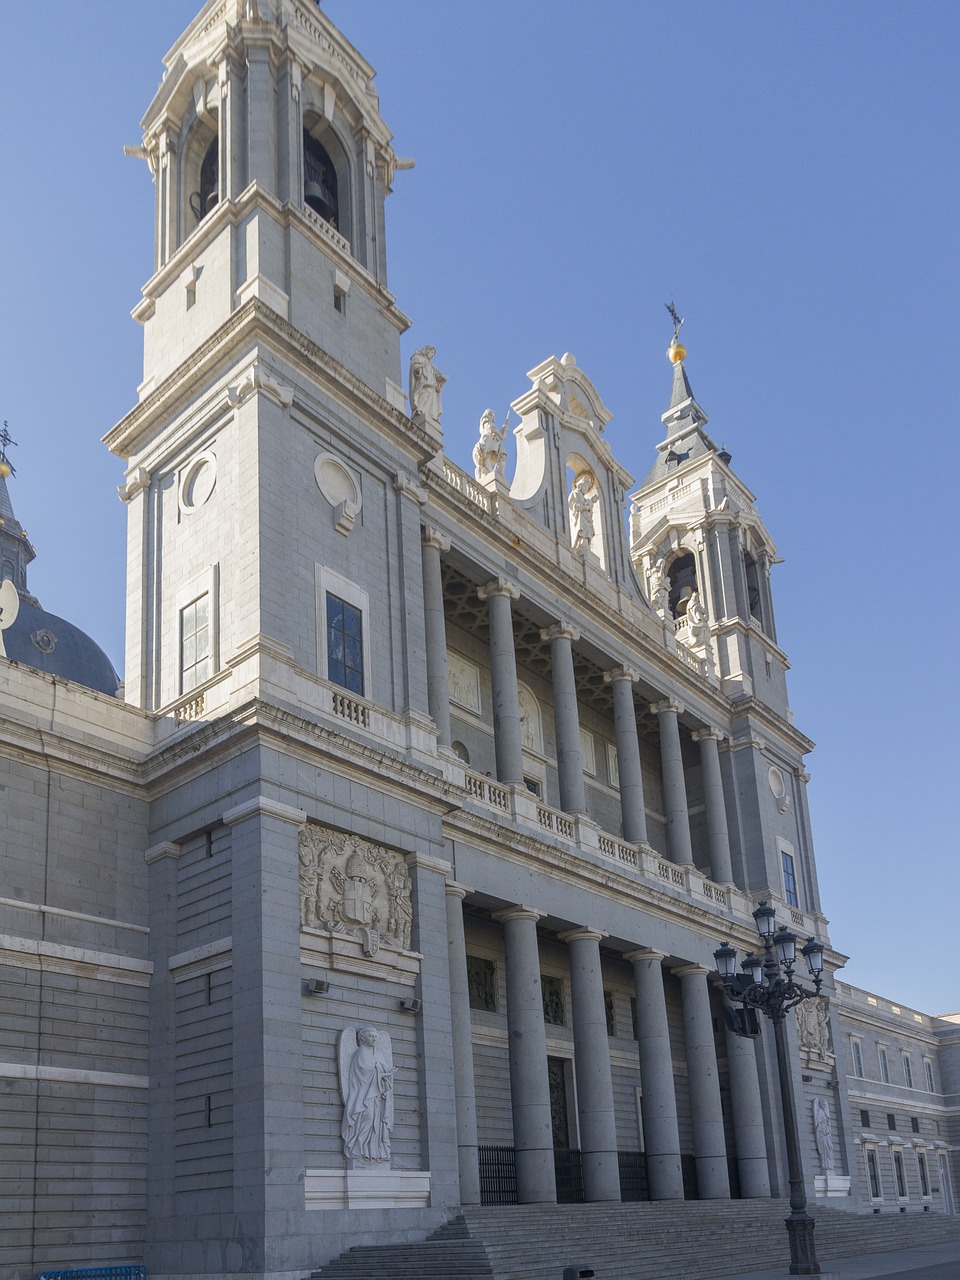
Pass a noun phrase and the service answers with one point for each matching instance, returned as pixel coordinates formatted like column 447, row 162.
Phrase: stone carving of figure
column 660, row 590
column 697, row 619
column 581, row 503
column 426, row 383
column 489, row 455
column 813, row 1031
column 823, row 1133
column 366, row 1085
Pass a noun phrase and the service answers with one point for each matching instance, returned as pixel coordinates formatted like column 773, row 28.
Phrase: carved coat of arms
column 348, row 885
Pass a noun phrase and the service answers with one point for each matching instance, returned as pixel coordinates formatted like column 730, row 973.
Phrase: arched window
column 683, row 583
column 753, row 586
column 320, row 181
column 207, row 196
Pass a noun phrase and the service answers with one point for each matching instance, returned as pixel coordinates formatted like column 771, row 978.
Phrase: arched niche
column 531, row 720
column 200, row 190
column 681, row 571
column 327, row 175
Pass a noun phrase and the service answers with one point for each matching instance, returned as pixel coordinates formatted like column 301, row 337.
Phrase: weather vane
column 6, row 466
column 677, row 320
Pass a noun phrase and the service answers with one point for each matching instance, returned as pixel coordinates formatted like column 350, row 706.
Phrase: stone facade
column 401, row 868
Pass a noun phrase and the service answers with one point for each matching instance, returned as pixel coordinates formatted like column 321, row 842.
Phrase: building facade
column 392, row 881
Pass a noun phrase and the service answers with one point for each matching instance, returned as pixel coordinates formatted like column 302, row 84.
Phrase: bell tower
column 271, row 421
column 703, row 552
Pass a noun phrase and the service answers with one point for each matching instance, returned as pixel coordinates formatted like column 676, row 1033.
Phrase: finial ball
column 5, row 468
column 676, row 352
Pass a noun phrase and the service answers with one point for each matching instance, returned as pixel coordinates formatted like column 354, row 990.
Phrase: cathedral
column 389, row 880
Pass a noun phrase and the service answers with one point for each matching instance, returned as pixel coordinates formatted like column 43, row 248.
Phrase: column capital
column 455, row 889
column 560, row 631
column 156, row 852
column 583, row 934
column 424, row 862
column 432, row 537
column 499, row 587
column 692, row 970
column 518, row 913
column 269, row 808
column 666, row 704
column 644, row 953
column 405, row 483
column 700, row 735
column 621, row 673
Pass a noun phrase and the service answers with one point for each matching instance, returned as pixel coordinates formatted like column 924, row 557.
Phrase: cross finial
column 6, row 439
column 677, row 320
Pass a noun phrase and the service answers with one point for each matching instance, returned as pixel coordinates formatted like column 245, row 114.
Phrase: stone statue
column 426, row 383
column 823, row 1133
column 581, row 502
column 489, row 455
column 366, row 1086
column 697, row 619
column 660, row 590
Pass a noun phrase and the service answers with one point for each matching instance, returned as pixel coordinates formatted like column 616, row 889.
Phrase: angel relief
column 348, row 885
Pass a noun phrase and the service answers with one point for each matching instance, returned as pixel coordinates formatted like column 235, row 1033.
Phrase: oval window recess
column 777, row 784
column 335, row 482
column 198, row 482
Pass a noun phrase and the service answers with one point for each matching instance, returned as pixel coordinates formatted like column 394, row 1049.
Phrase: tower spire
column 683, row 410
column 15, row 549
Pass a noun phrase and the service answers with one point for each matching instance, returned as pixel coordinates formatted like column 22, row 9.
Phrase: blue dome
column 51, row 644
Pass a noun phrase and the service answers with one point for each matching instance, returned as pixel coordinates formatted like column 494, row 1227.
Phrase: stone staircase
column 685, row 1240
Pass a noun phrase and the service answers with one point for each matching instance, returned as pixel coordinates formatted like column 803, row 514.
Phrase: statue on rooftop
column 583, row 498
column 489, row 455
column 426, row 383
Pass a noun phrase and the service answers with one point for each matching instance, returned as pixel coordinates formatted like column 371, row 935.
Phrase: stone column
column 598, row 1128
column 529, row 1083
column 435, row 1053
column 658, row 1102
column 674, row 786
column 721, row 868
column 409, row 637
column 709, row 1144
column 621, row 681
column 503, row 676
column 747, row 1117
column 463, row 1074
column 566, row 717
column 161, row 862
column 268, row 1122
column 438, row 685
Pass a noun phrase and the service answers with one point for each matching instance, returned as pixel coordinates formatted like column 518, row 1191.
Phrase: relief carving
column 813, row 1029
column 350, row 886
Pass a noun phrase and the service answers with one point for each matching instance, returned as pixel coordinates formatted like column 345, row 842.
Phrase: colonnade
column 529, row 1081
column 500, row 594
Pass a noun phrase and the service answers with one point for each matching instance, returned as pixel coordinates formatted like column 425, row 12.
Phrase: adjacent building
column 391, row 879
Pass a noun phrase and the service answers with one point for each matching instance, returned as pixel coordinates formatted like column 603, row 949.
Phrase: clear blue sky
column 786, row 172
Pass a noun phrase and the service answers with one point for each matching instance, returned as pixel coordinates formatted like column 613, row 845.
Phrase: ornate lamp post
column 768, row 984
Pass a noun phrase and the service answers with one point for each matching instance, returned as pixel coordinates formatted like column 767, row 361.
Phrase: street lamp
column 768, row 984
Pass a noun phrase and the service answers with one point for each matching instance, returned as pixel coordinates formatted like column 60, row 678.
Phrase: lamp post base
column 803, row 1255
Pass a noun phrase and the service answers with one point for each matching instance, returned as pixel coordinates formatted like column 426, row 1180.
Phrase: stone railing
column 191, row 709
column 684, row 491
column 466, row 486
column 482, row 788
column 611, row 847
column 350, row 709
column 553, row 820
column 324, row 227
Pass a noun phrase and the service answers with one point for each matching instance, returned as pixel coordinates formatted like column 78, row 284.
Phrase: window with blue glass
column 344, row 644
column 789, row 879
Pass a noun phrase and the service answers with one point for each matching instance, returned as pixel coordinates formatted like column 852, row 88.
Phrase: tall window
column 928, row 1072
column 907, row 1071
column 344, row 644
column 857, row 1054
column 195, row 652
column 884, row 1065
column 901, row 1178
column 922, row 1169
column 789, row 878
column 876, row 1192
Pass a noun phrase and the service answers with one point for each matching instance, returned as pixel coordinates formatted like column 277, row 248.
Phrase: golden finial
column 676, row 352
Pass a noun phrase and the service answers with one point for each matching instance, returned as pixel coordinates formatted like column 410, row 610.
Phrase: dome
column 51, row 644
